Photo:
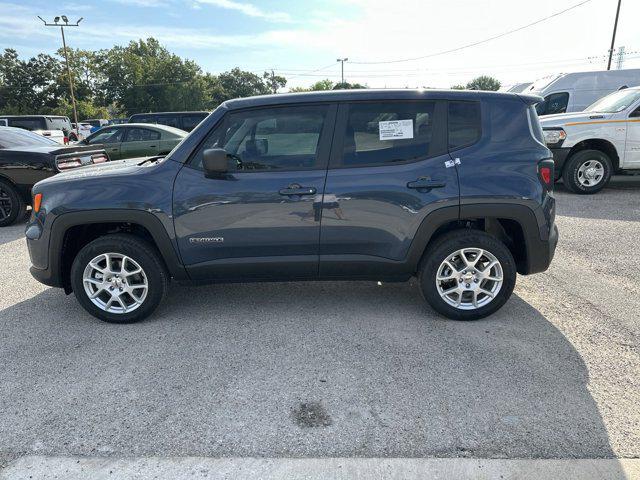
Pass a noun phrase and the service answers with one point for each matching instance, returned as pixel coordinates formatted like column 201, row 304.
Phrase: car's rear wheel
column 587, row 171
column 119, row 278
column 11, row 205
column 467, row 275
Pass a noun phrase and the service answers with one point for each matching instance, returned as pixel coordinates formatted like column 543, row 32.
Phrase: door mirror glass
column 214, row 162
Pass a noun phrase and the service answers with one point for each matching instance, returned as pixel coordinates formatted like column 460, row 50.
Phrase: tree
column 274, row 82
column 484, row 82
column 348, row 86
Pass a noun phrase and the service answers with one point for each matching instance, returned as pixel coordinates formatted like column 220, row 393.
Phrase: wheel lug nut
column 110, row 288
column 475, row 280
column 468, row 285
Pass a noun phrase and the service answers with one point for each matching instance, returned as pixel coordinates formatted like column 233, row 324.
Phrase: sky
column 389, row 44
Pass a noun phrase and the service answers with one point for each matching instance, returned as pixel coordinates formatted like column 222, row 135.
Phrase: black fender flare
column 523, row 214
column 149, row 221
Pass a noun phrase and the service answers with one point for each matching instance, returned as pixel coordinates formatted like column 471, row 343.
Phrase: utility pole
column 66, row 23
column 620, row 61
column 342, row 60
column 613, row 38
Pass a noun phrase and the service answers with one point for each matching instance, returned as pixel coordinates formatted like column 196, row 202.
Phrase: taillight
column 99, row 158
column 67, row 163
column 37, row 201
column 546, row 173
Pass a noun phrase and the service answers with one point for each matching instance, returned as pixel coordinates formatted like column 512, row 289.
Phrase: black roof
column 372, row 94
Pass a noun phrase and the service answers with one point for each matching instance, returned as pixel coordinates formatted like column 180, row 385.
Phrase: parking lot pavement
column 338, row 369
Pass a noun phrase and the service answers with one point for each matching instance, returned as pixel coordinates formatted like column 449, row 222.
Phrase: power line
column 479, row 42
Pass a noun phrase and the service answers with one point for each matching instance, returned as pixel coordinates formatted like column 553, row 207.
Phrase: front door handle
column 296, row 189
column 425, row 183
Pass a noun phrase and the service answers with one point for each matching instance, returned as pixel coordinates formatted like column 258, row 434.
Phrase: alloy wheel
column 469, row 278
column 6, row 205
column 115, row 283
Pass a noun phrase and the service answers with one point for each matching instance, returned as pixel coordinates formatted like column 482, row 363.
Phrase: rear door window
column 141, row 135
column 464, row 124
column 385, row 133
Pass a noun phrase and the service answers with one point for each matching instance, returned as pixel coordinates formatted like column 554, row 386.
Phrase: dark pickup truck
column 26, row 158
column 452, row 187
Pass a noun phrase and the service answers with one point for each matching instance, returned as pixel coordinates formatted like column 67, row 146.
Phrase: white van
column 573, row 92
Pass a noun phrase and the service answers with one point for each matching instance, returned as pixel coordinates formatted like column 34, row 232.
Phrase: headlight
column 553, row 137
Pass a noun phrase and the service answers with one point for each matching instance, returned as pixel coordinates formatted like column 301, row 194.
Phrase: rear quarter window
column 464, row 124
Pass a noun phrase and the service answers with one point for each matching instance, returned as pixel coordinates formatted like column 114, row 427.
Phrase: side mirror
column 214, row 162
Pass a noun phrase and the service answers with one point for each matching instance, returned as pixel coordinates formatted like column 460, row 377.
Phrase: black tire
column 12, row 207
column 442, row 249
column 571, row 172
column 141, row 252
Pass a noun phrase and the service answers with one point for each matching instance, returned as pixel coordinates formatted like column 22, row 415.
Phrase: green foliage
column 348, row 86
column 320, row 85
column 484, row 82
column 142, row 76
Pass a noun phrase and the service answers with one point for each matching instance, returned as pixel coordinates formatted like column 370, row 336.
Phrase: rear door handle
column 425, row 183
column 296, row 189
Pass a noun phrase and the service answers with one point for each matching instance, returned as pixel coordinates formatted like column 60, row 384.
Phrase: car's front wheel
column 587, row 171
column 467, row 275
column 119, row 278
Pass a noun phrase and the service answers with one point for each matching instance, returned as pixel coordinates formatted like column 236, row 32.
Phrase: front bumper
column 43, row 269
column 559, row 158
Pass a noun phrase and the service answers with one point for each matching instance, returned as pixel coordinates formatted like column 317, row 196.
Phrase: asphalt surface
column 338, row 369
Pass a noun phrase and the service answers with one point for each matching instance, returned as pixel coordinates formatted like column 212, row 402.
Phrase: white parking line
column 83, row 468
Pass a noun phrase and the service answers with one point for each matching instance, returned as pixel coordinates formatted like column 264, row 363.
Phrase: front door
column 111, row 140
column 262, row 219
column 389, row 169
column 140, row 142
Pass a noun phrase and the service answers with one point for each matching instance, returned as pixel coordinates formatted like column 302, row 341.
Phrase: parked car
column 573, row 92
column 26, row 158
column 136, row 140
column 454, row 187
column 186, row 121
column 590, row 146
column 82, row 131
column 57, row 128
column 118, row 121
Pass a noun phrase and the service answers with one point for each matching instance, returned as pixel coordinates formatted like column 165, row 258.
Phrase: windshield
column 615, row 102
column 10, row 138
column 541, row 83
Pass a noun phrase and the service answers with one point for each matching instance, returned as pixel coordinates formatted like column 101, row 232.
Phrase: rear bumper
column 541, row 252
column 559, row 158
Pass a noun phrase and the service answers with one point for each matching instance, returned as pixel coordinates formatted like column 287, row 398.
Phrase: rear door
column 389, row 169
column 140, row 142
column 262, row 219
